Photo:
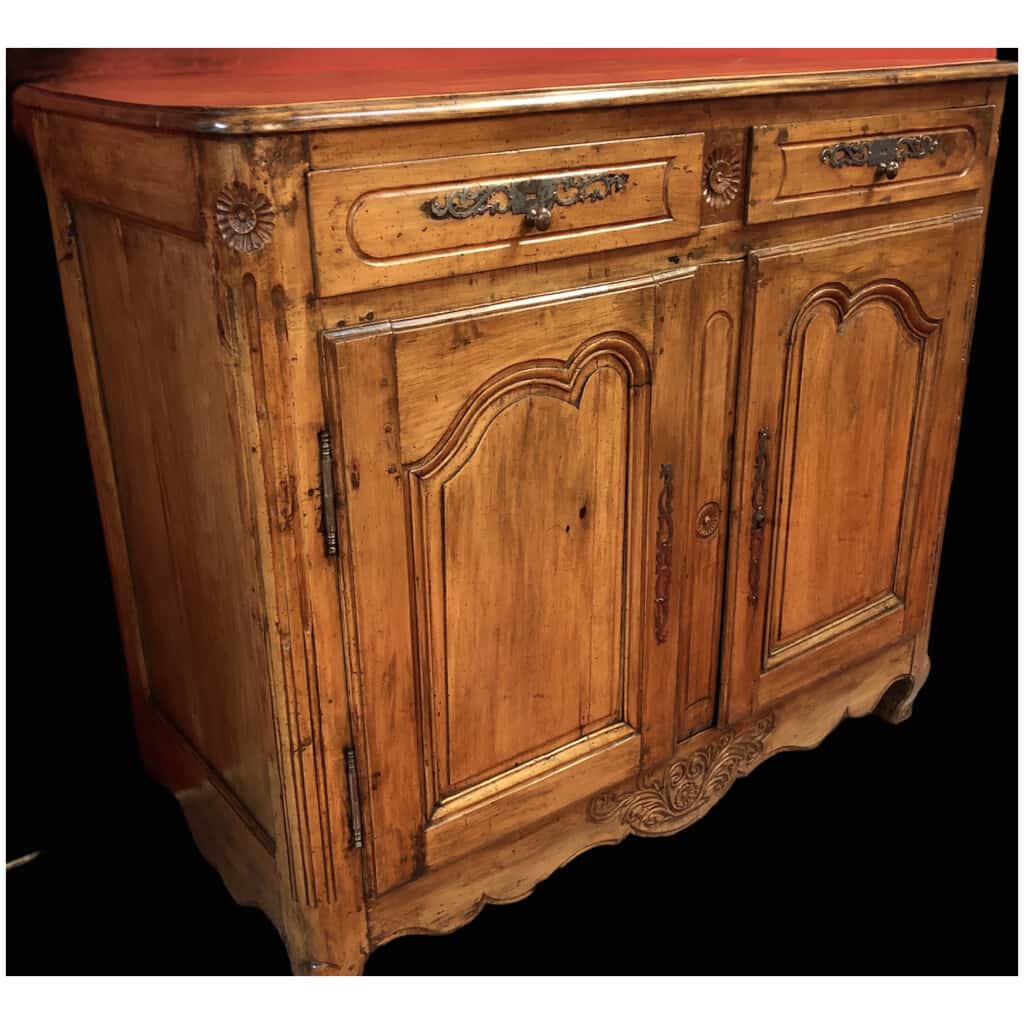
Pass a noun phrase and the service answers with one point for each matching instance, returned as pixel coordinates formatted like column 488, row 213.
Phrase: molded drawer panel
column 797, row 170
column 396, row 223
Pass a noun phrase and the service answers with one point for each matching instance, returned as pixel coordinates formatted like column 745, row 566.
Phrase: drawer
column 396, row 223
column 822, row 166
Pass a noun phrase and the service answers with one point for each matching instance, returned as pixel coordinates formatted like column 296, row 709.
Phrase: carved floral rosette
column 245, row 217
column 673, row 797
column 722, row 177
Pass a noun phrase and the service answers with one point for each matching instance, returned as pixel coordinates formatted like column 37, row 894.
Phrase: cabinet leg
column 897, row 702
column 326, row 940
column 325, row 968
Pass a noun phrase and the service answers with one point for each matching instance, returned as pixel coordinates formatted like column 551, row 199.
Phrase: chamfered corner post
column 253, row 197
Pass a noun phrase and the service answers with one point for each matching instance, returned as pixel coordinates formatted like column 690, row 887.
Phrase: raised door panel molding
column 515, row 582
column 529, row 577
column 533, row 585
column 856, row 366
column 846, row 343
column 444, row 362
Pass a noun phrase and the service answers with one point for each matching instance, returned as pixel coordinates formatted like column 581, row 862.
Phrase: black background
column 887, row 850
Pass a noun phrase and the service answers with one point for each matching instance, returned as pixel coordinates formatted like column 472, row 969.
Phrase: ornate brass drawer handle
column 887, row 155
column 534, row 198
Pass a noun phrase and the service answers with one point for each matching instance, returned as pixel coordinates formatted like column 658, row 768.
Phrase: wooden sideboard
column 494, row 471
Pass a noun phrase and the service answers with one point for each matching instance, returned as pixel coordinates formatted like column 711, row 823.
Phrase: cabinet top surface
column 245, row 91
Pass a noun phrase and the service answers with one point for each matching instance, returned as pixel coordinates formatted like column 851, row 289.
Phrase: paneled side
column 187, row 513
column 145, row 174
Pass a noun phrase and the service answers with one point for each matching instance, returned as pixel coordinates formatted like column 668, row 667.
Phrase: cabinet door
column 515, row 482
column 851, row 385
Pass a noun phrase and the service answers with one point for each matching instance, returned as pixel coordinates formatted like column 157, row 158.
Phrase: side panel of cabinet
column 519, row 495
column 852, row 352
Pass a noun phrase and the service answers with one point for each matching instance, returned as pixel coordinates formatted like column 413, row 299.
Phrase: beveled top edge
column 328, row 114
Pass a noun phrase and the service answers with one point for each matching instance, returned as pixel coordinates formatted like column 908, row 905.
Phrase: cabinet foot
column 326, row 940
column 897, row 702
column 324, row 968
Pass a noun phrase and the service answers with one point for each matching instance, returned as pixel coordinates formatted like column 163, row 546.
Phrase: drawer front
column 822, row 166
column 396, row 223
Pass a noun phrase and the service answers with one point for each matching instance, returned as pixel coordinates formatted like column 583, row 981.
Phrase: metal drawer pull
column 886, row 155
column 534, row 198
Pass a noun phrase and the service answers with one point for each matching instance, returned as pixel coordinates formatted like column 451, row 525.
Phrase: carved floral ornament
column 722, row 177
column 672, row 798
column 245, row 218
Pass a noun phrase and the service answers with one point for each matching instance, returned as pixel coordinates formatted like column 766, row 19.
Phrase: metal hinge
column 355, row 815
column 328, row 509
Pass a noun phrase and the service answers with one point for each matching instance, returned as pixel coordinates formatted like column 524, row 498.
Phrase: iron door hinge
column 355, row 814
column 328, row 509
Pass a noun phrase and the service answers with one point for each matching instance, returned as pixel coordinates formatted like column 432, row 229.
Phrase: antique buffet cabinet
column 492, row 472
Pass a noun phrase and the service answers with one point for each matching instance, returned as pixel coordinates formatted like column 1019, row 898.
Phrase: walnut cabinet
column 484, row 480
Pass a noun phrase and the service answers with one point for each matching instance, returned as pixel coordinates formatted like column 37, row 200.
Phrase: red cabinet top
column 267, row 90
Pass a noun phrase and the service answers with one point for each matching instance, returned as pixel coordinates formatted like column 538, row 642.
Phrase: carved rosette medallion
column 708, row 518
column 245, row 218
column 722, row 177
column 673, row 797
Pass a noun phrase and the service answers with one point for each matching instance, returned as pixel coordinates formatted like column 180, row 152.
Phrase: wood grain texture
column 616, row 520
column 269, row 326
column 789, row 178
column 356, row 72
column 515, row 571
column 371, row 229
column 398, row 143
column 858, row 442
column 88, row 162
column 363, row 417
column 708, row 356
column 188, row 523
column 508, row 871
column 225, row 788
column 553, row 557
column 211, row 103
